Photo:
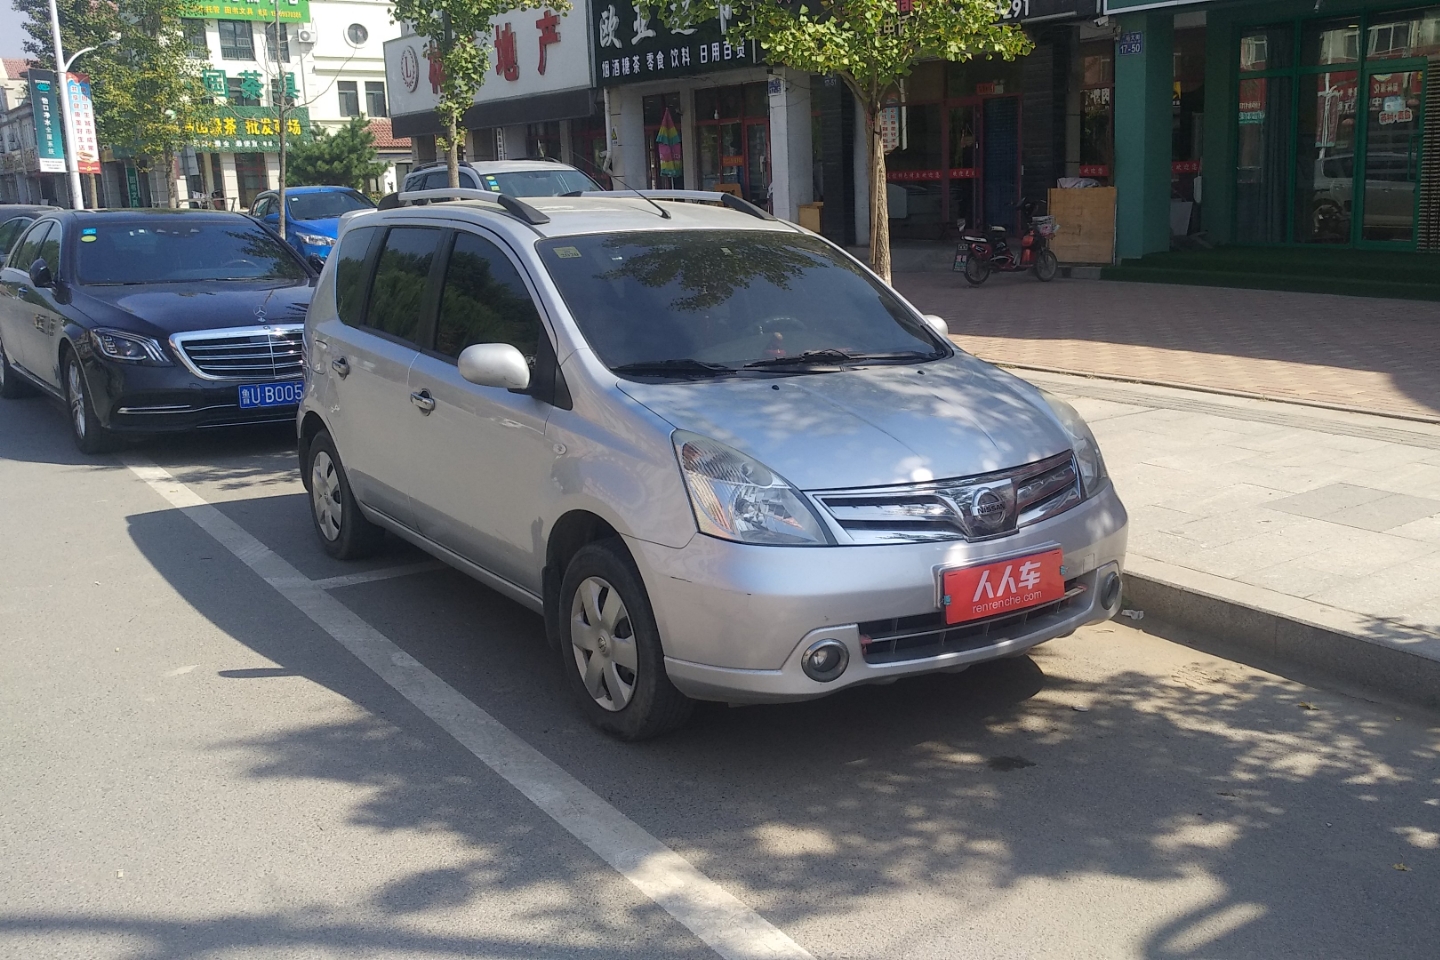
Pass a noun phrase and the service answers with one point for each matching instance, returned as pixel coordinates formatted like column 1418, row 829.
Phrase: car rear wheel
column 610, row 647
column 344, row 532
column 11, row 386
column 90, row 435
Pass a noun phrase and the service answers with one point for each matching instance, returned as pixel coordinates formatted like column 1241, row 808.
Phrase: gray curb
column 1224, row 627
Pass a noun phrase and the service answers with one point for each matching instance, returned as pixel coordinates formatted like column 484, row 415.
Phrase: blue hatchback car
column 313, row 217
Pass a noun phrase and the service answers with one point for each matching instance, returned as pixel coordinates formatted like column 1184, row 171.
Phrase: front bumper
column 134, row 398
column 736, row 619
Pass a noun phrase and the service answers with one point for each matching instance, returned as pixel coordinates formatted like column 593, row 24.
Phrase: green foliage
column 459, row 33
column 146, row 89
column 345, row 158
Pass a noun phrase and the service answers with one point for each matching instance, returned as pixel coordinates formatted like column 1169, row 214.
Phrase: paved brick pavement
column 1370, row 354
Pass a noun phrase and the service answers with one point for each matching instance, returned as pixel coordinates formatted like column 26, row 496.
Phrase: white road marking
column 370, row 576
column 718, row 918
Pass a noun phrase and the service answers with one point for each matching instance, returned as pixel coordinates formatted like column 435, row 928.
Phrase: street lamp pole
column 72, row 161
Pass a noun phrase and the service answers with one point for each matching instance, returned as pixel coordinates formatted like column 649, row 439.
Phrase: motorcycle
column 978, row 255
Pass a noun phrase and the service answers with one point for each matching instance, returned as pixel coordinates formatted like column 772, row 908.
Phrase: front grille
column 252, row 353
column 926, row 635
column 970, row 508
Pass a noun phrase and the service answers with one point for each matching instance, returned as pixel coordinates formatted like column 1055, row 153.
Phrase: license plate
column 1005, row 586
column 285, row 394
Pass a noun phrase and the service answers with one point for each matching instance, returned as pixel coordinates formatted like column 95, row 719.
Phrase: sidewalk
column 1351, row 352
column 1308, row 534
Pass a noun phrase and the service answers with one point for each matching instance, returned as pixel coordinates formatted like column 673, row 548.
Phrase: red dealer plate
column 1005, row 586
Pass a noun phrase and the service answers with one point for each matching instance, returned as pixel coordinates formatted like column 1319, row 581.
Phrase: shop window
column 1330, row 42
column 349, row 98
column 925, row 83
column 1325, row 157
column 251, row 176
column 1266, row 48
column 733, row 127
column 1263, row 158
column 1097, row 110
column 277, row 42
column 237, row 42
column 375, row 105
column 543, row 140
column 588, row 145
column 1188, row 106
column 1415, row 33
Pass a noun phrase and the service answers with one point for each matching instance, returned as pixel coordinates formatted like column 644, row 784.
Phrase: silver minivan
column 722, row 458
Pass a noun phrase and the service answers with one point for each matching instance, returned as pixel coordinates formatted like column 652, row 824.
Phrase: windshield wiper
column 675, row 366
column 832, row 357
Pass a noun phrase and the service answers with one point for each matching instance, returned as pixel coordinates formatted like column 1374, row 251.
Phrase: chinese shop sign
column 82, row 122
column 631, row 46
column 247, row 130
column 49, row 136
column 291, row 11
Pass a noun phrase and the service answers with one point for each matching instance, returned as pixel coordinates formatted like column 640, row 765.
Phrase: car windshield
column 692, row 303
column 537, row 183
column 325, row 206
column 180, row 248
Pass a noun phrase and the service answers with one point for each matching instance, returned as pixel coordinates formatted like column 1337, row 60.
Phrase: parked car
column 312, row 215
column 153, row 320
column 11, row 229
column 514, row 178
column 722, row 458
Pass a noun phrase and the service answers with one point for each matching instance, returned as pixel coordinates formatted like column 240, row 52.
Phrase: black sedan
column 149, row 321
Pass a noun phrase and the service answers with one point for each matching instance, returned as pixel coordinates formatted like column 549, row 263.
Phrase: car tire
column 1047, row 265
column 91, row 437
column 11, row 386
column 608, row 638
column 343, row 530
column 977, row 270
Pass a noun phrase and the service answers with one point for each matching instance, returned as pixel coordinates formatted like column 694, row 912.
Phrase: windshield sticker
column 88, row 231
column 494, row 185
column 87, row 238
column 567, row 253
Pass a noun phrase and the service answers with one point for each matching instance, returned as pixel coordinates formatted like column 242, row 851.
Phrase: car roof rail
column 691, row 196
column 427, row 164
column 516, row 208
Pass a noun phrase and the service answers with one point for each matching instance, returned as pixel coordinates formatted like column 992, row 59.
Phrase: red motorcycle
column 979, row 255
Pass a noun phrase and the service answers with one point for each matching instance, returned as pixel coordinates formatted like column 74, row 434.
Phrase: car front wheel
column 344, row 532
column 90, row 435
column 610, row 647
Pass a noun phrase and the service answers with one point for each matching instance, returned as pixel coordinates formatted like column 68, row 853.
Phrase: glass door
column 757, row 162
column 1394, row 123
column 1325, row 157
column 1001, row 156
column 963, row 172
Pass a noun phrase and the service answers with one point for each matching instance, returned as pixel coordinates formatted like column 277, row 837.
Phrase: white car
column 514, row 178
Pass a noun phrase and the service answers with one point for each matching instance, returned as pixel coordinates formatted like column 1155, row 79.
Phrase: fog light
column 1110, row 593
column 825, row 660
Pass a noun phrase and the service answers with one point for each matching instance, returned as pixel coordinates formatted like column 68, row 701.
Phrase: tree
column 146, row 88
column 459, row 57
column 345, row 158
column 870, row 45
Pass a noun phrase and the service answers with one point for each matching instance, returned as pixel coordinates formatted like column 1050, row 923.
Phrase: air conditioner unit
column 306, row 33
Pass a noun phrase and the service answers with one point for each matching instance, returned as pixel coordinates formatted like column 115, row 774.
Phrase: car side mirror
column 938, row 324
column 317, row 263
column 40, row 275
column 495, row 365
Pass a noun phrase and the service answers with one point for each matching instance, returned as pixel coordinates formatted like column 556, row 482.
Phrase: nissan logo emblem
column 988, row 508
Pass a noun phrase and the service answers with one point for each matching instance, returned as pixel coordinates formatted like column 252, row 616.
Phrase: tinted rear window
column 178, row 249
column 401, row 280
column 350, row 274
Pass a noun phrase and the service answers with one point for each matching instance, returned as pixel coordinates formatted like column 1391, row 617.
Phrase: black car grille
column 926, row 635
column 275, row 355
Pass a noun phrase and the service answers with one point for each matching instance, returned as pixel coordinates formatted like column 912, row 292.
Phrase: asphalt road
column 206, row 754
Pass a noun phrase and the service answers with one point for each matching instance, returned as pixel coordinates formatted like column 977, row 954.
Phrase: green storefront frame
column 1227, row 200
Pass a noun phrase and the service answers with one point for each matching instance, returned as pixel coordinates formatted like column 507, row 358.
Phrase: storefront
column 537, row 101
column 687, row 109
column 1323, row 127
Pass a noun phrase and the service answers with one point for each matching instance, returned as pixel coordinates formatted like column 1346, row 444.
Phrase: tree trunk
column 452, row 154
column 172, row 179
column 879, row 204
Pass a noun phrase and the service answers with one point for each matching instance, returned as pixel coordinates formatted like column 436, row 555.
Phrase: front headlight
column 315, row 240
column 119, row 345
column 736, row 497
column 1082, row 440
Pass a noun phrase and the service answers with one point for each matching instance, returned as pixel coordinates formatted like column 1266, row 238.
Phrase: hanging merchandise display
column 667, row 141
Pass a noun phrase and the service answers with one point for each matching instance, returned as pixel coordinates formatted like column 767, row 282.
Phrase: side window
column 50, row 249
column 29, row 249
column 350, row 274
column 401, row 276
column 436, row 180
column 10, row 231
column 262, row 209
column 484, row 300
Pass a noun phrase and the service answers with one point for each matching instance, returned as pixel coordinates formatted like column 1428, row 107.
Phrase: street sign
column 1131, row 44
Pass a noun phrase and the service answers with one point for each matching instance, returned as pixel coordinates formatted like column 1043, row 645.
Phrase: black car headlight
column 132, row 347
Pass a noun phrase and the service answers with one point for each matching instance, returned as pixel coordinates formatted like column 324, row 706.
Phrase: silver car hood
column 870, row 426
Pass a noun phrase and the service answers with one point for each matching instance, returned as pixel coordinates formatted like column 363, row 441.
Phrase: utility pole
column 72, row 161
